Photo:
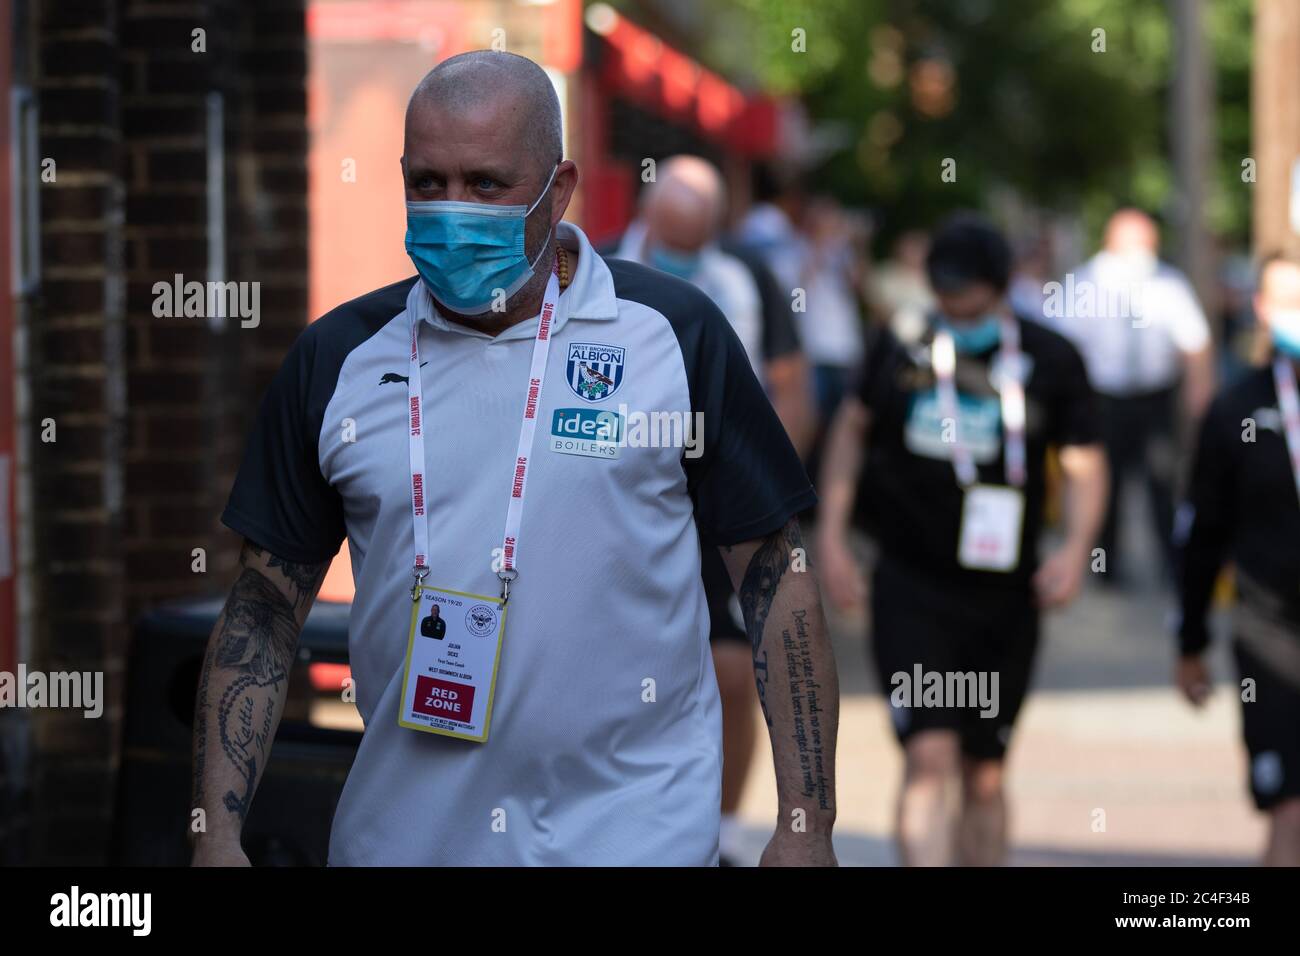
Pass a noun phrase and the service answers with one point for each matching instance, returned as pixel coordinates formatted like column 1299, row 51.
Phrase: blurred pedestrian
column 1147, row 345
column 830, row 321
column 900, row 291
column 946, row 438
column 1027, row 293
column 1244, row 507
column 770, row 226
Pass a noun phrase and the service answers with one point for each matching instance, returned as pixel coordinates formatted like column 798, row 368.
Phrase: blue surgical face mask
column 680, row 264
column 471, row 254
column 1284, row 327
column 976, row 336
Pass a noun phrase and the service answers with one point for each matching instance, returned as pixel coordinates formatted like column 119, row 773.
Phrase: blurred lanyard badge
column 992, row 516
column 454, row 645
column 1289, row 405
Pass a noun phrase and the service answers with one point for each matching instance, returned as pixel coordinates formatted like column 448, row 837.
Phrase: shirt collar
column 590, row 295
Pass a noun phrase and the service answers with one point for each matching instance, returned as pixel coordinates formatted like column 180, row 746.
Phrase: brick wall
column 151, row 413
column 77, row 379
column 189, row 384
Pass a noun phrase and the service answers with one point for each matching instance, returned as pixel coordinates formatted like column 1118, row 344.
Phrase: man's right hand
column 1193, row 678
column 840, row 573
column 219, row 853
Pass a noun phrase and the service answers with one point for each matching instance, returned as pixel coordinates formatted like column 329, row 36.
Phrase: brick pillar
column 267, row 224
column 193, row 384
column 151, row 411
column 77, row 383
column 167, row 74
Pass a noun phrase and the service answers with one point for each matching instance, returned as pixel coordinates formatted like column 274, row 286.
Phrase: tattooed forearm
column 244, row 740
column 200, row 732
column 245, row 676
column 806, row 711
column 757, row 591
column 794, row 669
column 260, row 630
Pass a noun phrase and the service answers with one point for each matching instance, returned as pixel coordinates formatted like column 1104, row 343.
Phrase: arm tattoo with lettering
column 257, row 641
column 758, row 589
column 806, row 711
column 794, row 658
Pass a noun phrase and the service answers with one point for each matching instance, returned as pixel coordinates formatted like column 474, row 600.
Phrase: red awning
column 642, row 68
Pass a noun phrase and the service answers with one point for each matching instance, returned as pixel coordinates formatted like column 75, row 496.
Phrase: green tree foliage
column 1033, row 104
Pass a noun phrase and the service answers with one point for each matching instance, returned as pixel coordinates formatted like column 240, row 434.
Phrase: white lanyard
column 519, row 469
column 1011, row 391
column 1289, row 406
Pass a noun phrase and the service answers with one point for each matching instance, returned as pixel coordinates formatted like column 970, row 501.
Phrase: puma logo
column 394, row 377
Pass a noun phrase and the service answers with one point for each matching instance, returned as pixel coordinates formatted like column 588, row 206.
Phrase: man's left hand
column 1059, row 578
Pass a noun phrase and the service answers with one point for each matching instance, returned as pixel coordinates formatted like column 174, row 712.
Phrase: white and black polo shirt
column 605, row 745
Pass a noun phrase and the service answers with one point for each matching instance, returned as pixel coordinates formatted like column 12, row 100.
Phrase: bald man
column 1244, row 507
column 677, row 231
column 533, row 441
column 1147, row 347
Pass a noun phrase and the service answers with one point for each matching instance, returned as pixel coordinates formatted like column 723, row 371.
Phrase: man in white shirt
column 1148, row 350
column 406, row 422
column 676, row 232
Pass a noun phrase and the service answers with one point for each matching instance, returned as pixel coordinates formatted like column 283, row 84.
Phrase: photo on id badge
column 452, row 653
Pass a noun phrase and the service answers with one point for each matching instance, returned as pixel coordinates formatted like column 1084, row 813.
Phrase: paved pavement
column 1103, row 730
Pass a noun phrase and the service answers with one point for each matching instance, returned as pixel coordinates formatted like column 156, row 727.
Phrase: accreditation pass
column 451, row 663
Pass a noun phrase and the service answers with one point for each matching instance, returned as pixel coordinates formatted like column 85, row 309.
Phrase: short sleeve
column 878, row 349
column 1074, row 404
column 280, row 500
column 748, row 481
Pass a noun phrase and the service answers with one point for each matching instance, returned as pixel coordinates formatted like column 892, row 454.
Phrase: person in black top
column 944, row 446
column 433, row 625
column 1244, row 506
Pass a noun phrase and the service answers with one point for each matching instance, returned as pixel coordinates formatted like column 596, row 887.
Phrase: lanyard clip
column 420, row 572
column 506, row 575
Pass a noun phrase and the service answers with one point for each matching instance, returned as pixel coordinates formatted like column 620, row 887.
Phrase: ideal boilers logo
column 586, row 431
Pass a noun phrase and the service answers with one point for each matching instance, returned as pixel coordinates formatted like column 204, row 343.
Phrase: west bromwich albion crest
column 595, row 371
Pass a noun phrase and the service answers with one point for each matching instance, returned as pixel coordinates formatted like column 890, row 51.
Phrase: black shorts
column 718, row 591
column 947, row 654
column 1271, row 723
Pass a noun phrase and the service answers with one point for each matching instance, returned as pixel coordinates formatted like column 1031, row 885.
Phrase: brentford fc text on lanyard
column 519, row 473
column 1289, row 405
column 1011, row 391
